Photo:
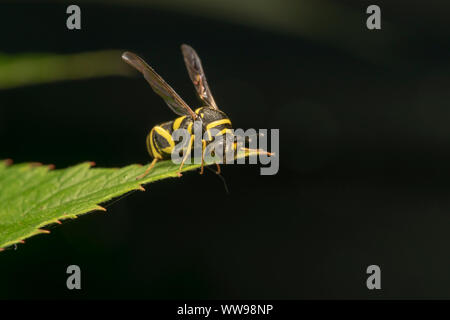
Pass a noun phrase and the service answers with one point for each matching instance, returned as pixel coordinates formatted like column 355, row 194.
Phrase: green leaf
column 33, row 195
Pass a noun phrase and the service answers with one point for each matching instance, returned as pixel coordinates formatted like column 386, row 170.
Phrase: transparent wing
column 195, row 70
column 158, row 85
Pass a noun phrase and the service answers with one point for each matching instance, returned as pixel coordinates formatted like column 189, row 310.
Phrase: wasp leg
column 188, row 152
column 218, row 168
column 258, row 151
column 203, row 155
column 150, row 167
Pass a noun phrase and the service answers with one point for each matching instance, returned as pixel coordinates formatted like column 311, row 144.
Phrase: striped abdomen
column 160, row 143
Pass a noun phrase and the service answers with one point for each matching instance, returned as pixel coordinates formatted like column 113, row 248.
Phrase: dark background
column 364, row 159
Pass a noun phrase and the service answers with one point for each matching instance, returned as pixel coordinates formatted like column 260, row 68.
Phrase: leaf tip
column 100, row 208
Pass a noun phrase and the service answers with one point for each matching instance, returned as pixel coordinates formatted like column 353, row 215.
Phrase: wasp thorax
column 213, row 120
column 208, row 114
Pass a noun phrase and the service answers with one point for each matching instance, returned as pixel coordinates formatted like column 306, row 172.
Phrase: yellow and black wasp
column 160, row 143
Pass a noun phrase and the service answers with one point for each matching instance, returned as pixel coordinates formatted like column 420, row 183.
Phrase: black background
column 364, row 157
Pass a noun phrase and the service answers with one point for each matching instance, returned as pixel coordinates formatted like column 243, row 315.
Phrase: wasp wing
column 172, row 99
column 197, row 75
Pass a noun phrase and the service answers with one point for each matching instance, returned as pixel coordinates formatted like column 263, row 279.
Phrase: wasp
column 160, row 143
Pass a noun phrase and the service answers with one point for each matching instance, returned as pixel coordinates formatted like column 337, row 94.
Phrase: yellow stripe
column 149, row 148
column 224, row 131
column 155, row 152
column 167, row 150
column 166, row 135
column 220, row 133
column 217, row 123
column 198, row 110
column 190, row 128
column 177, row 123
